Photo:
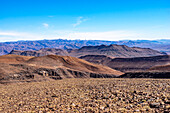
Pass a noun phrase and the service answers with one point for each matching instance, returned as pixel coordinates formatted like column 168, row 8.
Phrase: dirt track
column 90, row 95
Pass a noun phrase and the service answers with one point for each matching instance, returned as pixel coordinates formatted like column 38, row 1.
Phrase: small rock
column 73, row 104
column 155, row 105
column 168, row 107
column 167, row 102
column 137, row 110
column 122, row 109
column 102, row 107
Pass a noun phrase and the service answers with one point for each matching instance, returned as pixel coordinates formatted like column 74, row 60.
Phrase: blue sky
column 84, row 19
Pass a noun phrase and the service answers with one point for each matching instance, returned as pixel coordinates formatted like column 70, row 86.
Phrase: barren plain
column 87, row 95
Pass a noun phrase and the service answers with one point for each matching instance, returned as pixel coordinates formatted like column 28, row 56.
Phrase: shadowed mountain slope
column 161, row 68
column 129, row 64
column 147, row 74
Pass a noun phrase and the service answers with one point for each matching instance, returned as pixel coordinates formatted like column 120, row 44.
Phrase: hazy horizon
column 110, row 20
column 87, row 40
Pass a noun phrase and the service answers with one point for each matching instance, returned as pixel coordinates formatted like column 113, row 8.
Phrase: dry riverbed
column 87, row 95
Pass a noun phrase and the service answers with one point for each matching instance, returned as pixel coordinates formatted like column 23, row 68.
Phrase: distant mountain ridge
column 113, row 50
column 7, row 47
column 118, row 51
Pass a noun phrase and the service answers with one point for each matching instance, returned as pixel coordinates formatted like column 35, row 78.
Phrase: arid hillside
column 118, row 51
column 129, row 64
column 14, row 59
column 15, row 67
column 67, row 62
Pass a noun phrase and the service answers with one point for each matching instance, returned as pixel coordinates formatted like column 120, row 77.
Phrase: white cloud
column 9, row 34
column 108, row 35
column 79, row 21
column 45, row 25
column 14, row 36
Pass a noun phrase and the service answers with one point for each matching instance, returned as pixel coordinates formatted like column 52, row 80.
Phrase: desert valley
column 84, row 56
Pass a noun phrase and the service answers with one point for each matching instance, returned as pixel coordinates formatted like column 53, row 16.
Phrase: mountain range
column 7, row 47
column 113, row 51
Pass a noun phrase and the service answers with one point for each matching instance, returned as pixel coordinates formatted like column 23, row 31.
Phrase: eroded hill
column 15, row 67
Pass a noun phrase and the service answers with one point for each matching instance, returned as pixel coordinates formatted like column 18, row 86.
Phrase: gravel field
column 87, row 95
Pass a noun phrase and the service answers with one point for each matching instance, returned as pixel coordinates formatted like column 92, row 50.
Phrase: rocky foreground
column 87, row 95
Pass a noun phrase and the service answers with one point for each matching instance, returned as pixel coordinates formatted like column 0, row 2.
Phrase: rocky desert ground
column 87, row 95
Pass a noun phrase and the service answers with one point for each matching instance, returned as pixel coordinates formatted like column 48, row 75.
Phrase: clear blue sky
column 84, row 19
